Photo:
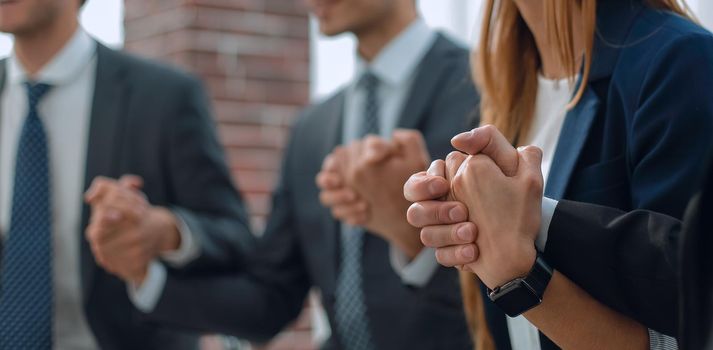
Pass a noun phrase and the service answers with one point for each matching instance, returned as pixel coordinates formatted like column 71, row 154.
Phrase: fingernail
column 468, row 252
column 457, row 214
column 464, row 233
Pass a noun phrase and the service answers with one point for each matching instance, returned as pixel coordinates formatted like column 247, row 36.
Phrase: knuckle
column 488, row 128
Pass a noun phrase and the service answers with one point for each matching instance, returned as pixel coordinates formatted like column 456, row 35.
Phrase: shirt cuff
column 548, row 211
column 417, row 272
column 146, row 296
column 187, row 251
column 658, row 341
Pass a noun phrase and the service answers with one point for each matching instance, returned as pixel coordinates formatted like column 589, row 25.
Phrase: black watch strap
column 539, row 276
column 524, row 293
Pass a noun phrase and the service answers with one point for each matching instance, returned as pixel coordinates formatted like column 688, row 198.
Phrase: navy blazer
column 639, row 136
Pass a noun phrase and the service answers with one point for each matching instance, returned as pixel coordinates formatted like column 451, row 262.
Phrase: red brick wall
column 253, row 57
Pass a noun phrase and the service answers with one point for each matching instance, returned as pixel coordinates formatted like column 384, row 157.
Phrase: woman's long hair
column 506, row 65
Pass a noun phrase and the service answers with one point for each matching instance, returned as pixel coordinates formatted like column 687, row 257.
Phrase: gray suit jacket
column 300, row 248
column 154, row 122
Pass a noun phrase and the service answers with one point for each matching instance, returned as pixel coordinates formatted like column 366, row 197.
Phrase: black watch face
column 516, row 299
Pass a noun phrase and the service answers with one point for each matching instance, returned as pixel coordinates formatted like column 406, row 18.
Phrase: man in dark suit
column 73, row 111
column 408, row 77
column 638, row 257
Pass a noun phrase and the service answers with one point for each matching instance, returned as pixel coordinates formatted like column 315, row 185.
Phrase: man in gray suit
column 409, row 77
column 73, row 111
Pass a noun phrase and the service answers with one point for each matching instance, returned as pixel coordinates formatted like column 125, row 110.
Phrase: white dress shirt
column 396, row 67
column 65, row 112
column 550, row 112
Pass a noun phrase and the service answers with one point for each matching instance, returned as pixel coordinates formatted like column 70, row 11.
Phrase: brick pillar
column 253, row 57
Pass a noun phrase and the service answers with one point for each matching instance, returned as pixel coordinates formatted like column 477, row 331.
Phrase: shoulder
column 146, row 75
column 661, row 51
column 661, row 38
column 450, row 52
column 320, row 112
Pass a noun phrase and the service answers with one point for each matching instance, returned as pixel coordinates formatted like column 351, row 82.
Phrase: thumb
column 412, row 143
column 489, row 141
column 376, row 149
column 133, row 182
column 530, row 161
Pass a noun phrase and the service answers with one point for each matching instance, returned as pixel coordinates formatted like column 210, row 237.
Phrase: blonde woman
column 617, row 95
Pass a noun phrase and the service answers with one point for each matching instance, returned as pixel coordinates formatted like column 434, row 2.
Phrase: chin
column 332, row 30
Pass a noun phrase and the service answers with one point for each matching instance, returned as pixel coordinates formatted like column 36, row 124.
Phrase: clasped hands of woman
column 500, row 188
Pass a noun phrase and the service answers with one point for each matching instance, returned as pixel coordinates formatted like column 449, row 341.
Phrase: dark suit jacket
column 154, row 122
column 300, row 248
column 637, row 137
column 671, row 264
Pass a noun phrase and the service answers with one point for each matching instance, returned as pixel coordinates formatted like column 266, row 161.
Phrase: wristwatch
column 524, row 293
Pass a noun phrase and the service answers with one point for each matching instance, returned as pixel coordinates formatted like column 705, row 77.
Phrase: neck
column 534, row 15
column 37, row 48
column 374, row 38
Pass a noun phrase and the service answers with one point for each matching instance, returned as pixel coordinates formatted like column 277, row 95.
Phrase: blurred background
column 262, row 61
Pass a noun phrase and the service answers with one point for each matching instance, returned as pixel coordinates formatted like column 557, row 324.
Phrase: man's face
column 340, row 16
column 25, row 16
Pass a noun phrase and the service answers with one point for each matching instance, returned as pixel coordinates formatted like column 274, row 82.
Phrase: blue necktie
column 350, row 304
column 26, row 280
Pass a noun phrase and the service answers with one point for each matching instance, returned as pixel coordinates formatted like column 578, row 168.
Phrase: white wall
column 333, row 59
column 101, row 18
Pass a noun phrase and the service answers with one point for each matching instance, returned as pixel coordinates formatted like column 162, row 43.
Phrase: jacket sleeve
column 638, row 251
column 255, row 300
column 201, row 186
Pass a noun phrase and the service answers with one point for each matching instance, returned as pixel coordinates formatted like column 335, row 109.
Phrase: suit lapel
column 108, row 118
column 334, row 126
column 571, row 141
column 424, row 86
column 2, row 88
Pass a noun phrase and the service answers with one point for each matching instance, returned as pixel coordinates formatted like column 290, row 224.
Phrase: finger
column 431, row 213
column 490, row 142
column 129, row 203
column 133, row 182
column 532, row 160
column 100, row 185
column 454, row 160
column 448, row 235
column 457, row 255
column 376, row 149
column 353, row 155
column 423, row 187
column 413, row 142
column 356, row 213
column 330, row 162
column 437, row 168
column 329, row 180
column 338, row 197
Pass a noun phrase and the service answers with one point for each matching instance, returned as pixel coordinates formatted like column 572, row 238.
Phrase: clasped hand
column 125, row 232
column 362, row 185
column 499, row 188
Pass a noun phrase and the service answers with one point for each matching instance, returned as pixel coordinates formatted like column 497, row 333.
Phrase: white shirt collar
column 64, row 67
column 399, row 59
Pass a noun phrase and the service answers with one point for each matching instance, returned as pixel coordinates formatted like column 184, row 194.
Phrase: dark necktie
column 26, row 274
column 350, row 305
